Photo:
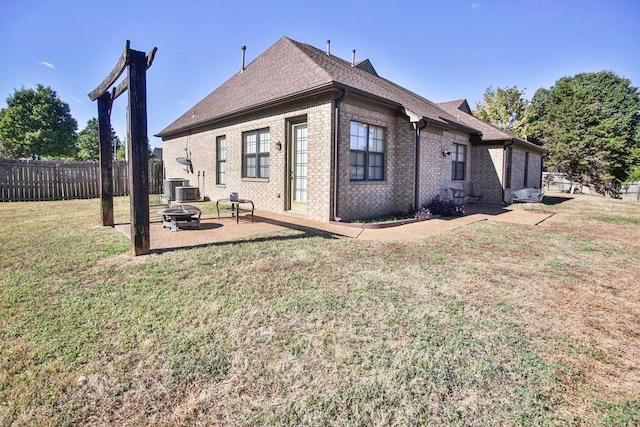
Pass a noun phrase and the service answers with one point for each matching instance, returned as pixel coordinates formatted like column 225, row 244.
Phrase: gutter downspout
column 417, row 126
column 504, row 167
column 336, row 150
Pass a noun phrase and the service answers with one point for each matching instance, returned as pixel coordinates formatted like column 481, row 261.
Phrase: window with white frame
column 255, row 154
column 221, row 160
column 367, row 152
column 458, row 162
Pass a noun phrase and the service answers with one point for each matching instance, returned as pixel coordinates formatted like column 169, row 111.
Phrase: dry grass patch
column 489, row 324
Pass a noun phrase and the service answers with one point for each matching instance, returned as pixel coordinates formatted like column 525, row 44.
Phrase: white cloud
column 76, row 99
column 475, row 6
column 47, row 64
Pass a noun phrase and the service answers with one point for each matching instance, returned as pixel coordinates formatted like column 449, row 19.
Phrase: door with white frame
column 298, row 167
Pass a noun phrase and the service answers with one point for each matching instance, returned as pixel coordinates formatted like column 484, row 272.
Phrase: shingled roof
column 460, row 109
column 289, row 69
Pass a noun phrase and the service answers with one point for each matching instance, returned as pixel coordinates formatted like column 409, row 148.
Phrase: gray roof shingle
column 290, row 68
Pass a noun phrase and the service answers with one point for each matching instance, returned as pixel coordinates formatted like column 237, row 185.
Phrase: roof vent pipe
column 329, row 47
column 353, row 58
column 244, row 48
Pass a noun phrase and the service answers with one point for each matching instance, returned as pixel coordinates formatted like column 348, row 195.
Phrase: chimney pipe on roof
column 244, row 48
column 353, row 58
column 328, row 47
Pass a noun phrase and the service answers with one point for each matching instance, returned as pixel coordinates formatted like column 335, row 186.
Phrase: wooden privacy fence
column 33, row 180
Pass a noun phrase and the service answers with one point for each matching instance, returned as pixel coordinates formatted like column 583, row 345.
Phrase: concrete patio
column 226, row 229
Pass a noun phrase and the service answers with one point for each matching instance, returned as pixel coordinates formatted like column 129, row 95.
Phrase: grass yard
column 489, row 324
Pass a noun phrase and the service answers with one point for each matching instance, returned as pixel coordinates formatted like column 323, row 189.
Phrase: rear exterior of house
column 329, row 141
column 502, row 162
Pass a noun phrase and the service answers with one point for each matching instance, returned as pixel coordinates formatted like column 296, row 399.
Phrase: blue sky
column 442, row 50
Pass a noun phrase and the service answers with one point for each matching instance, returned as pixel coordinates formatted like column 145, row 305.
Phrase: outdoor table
column 235, row 206
column 179, row 216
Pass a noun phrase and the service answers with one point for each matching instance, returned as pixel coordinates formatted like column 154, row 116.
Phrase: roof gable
column 367, row 66
column 458, row 104
column 263, row 80
column 290, row 68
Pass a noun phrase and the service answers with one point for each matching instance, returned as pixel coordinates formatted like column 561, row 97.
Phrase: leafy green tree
column 36, row 123
column 504, row 108
column 89, row 141
column 121, row 152
column 589, row 123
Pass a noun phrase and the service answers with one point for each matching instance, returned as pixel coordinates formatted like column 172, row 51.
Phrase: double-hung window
column 367, row 152
column 458, row 162
column 221, row 160
column 255, row 154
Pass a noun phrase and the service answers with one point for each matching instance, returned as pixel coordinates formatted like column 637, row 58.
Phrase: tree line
column 589, row 123
column 37, row 124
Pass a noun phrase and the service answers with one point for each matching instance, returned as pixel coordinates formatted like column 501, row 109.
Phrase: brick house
column 302, row 132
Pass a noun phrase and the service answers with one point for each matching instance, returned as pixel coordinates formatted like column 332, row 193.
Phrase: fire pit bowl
column 180, row 216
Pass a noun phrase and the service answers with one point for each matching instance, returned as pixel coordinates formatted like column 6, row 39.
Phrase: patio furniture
column 458, row 196
column 180, row 216
column 528, row 195
column 235, row 207
column 470, row 195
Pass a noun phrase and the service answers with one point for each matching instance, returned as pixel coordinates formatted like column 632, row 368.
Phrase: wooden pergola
column 135, row 84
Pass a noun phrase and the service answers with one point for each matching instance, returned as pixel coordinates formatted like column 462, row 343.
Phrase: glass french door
column 298, row 167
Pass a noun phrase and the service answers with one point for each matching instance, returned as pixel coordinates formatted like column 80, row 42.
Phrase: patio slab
column 226, row 229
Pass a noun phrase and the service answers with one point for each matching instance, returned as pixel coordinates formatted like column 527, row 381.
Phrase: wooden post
column 106, row 159
column 137, row 144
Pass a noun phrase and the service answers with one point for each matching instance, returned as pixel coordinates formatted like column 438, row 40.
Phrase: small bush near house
column 445, row 207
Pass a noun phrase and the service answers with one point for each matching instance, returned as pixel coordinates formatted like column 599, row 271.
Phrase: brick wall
column 368, row 199
column 535, row 170
column 268, row 194
column 430, row 167
column 357, row 200
column 435, row 168
column 486, row 172
column 517, row 176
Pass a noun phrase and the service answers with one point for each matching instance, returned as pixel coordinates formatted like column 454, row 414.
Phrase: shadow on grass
column 554, row 200
column 247, row 240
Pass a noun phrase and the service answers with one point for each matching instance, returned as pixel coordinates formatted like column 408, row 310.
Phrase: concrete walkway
column 266, row 223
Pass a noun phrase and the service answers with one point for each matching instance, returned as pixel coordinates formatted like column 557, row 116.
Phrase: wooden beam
column 151, row 56
column 120, row 89
column 106, row 159
column 124, row 85
column 137, row 145
column 113, row 75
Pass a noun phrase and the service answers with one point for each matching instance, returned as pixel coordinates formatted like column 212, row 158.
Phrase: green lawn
column 489, row 324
